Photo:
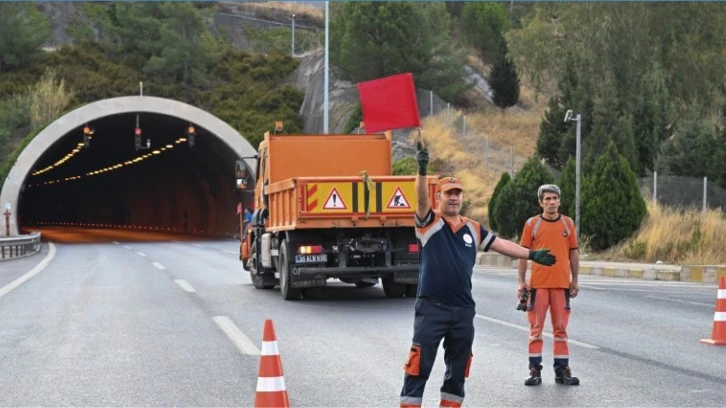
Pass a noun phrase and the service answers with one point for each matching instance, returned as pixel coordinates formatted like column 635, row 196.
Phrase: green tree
column 23, row 29
column 484, row 26
column 567, row 188
column 718, row 165
column 690, row 151
column 504, row 81
column 551, row 133
column 518, row 201
column 187, row 48
column 503, row 181
column 612, row 207
column 370, row 40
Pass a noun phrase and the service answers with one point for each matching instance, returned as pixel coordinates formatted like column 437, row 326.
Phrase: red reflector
column 316, row 249
column 412, row 247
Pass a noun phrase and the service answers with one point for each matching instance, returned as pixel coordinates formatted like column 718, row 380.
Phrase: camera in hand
column 522, row 305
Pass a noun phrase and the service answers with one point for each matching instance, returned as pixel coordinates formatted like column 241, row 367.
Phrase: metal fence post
column 655, row 187
column 705, row 184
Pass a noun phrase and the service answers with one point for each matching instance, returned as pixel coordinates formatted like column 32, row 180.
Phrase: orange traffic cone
column 271, row 390
column 718, row 337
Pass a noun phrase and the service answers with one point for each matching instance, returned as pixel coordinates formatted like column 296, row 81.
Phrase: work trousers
column 433, row 322
column 557, row 301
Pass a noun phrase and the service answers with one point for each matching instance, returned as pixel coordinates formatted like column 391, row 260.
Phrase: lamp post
column 326, row 73
column 577, row 118
column 293, row 36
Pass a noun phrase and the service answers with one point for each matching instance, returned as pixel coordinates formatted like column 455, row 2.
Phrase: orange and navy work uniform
column 550, row 285
column 444, row 306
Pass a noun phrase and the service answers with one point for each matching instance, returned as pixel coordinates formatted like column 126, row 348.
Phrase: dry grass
column 676, row 236
column 516, row 128
column 48, row 98
column 290, row 8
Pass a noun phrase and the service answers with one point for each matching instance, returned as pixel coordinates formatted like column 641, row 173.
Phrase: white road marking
column 115, row 243
column 127, row 247
column 525, row 328
column 159, row 266
column 236, row 336
column 231, row 252
column 39, row 267
column 141, row 253
column 184, row 285
column 199, row 246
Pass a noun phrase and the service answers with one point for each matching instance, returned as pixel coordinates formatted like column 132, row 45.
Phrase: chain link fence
column 683, row 192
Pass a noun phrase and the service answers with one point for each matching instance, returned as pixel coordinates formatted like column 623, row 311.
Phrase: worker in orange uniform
column 550, row 287
column 445, row 307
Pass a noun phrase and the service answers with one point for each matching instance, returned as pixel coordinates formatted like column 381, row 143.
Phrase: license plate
column 317, row 258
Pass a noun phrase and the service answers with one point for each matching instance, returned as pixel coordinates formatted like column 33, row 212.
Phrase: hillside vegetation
column 646, row 77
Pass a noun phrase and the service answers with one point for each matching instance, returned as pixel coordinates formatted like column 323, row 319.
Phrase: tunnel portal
column 64, row 178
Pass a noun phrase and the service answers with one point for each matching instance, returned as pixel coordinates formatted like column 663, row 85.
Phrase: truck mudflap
column 316, row 276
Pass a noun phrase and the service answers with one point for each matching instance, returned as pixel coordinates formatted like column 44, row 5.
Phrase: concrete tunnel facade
column 193, row 192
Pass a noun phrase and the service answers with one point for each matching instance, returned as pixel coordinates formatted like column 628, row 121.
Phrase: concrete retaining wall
column 684, row 273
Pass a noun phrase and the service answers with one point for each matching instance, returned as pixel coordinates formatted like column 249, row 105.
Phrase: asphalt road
column 125, row 320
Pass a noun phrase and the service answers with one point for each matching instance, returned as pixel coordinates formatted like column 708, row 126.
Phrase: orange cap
column 449, row 183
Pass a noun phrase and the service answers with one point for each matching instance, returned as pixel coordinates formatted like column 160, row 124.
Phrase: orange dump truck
column 328, row 207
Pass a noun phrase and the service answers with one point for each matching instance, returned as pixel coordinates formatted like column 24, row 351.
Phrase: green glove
column 542, row 256
column 422, row 158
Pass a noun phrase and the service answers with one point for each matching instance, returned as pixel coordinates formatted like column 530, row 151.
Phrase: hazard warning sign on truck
column 334, row 201
column 398, row 201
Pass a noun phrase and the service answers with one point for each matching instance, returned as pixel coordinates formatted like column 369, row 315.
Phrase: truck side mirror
column 242, row 175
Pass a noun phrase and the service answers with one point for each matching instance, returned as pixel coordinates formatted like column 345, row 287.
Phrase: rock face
column 342, row 99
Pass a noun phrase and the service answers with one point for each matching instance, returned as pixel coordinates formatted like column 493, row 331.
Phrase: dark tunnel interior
column 171, row 186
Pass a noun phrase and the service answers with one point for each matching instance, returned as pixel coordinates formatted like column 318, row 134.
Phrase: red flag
column 389, row 103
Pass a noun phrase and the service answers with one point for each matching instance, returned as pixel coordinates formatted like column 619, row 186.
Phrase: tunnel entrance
column 108, row 181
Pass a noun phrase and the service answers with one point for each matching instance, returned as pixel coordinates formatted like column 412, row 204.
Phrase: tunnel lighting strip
column 61, row 161
column 115, row 166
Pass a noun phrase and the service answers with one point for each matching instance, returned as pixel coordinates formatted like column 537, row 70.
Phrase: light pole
column 293, row 36
column 325, row 86
column 578, row 119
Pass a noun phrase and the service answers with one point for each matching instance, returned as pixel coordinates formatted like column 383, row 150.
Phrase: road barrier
column 684, row 273
column 19, row 246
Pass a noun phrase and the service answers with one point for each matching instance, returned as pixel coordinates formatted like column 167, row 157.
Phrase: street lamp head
column 568, row 115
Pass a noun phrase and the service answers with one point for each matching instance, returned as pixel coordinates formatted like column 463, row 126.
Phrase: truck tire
column 364, row 284
column 259, row 280
column 411, row 290
column 393, row 289
column 286, row 290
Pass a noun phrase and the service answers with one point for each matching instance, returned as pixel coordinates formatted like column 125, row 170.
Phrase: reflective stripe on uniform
column 426, row 235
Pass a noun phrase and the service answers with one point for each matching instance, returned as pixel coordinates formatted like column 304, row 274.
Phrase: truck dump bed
column 343, row 202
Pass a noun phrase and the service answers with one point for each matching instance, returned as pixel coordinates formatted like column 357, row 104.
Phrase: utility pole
column 292, row 48
column 326, row 73
column 577, row 118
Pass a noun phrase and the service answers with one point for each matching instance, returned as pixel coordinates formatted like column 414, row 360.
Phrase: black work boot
column 535, row 375
column 564, row 376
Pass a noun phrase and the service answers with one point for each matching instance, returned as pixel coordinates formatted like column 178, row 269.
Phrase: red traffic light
column 137, row 131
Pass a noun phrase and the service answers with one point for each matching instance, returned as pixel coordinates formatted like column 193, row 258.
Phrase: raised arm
column 423, row 206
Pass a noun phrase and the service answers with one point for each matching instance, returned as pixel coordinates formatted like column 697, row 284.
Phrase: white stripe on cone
column 719, row 317
column 721, row 294
column 269, row 348
column 271, row 384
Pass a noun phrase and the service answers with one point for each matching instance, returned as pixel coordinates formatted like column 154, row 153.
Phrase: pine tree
column 518, row 200
column 503, row 181
column 23, row 29
column 612, row 207
column 551, row 133
column 503, row 80
column 567, row 188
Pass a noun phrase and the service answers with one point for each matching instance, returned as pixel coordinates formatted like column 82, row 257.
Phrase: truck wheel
column 365, row 284
column 411, row 290
column 393, row 289
column 286, row 290
column 259, row 280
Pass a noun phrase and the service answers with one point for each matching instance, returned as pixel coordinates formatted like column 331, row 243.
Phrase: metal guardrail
column 22, row 245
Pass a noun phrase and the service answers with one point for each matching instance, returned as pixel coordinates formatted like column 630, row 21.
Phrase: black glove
column 422, row 158
column 543, row 256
